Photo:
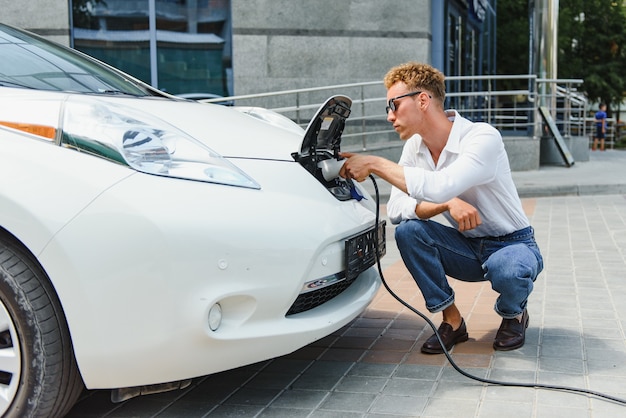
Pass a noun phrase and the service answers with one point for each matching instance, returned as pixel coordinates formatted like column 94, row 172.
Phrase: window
column 178, row 46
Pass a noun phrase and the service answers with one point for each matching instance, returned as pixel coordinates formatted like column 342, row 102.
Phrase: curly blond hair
column 418, row 76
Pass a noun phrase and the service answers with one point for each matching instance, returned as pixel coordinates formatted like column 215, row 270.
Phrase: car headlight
column 145, row 143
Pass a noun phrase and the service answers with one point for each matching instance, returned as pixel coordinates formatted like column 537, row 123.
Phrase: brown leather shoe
column 448, row 336
column 512, row 333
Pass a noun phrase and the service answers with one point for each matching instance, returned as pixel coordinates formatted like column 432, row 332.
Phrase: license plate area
column 361, row 250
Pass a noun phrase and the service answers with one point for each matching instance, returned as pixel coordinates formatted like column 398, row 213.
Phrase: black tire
column 42, row 378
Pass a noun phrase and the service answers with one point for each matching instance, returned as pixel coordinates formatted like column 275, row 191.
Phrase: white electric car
column 146, row 239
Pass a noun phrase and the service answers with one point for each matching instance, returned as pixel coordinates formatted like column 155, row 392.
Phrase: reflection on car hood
column 227, row 131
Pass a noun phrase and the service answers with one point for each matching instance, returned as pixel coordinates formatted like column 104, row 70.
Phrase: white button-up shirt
column 473, row 166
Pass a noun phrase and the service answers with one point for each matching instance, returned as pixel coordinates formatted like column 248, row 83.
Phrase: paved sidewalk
column 374, row 368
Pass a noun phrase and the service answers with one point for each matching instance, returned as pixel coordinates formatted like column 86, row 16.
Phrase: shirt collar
column 454, row 139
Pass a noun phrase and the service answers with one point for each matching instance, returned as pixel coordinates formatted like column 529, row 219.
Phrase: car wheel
column 38, row 372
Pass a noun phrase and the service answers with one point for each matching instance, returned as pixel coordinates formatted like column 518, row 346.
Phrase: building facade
column 235, row 47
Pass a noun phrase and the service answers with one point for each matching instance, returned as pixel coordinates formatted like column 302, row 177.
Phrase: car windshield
column 31, row 62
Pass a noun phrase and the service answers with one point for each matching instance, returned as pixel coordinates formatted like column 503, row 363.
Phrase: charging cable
column 449, row 357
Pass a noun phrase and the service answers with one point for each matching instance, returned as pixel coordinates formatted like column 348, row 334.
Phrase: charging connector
column 330, row 168
column 447, row 354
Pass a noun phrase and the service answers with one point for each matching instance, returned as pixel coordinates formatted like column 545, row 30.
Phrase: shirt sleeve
column 476, row 164
column 401, row 206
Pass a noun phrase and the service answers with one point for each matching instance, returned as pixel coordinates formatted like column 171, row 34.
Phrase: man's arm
column 465, row 215
column 426, row 210
column 474, row 166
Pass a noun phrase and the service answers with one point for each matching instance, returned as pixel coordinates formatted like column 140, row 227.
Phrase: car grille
column 310, row 300
column 360, row 253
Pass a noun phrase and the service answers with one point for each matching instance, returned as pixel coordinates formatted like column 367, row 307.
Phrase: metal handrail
column 514, row 111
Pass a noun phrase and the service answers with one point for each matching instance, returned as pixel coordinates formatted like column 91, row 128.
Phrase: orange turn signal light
column 47, row 132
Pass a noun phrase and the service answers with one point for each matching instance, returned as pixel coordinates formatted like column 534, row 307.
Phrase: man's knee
column 409, row 231
column 512, row 262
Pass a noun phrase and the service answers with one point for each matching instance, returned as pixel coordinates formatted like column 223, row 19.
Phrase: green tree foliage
column 591, row 44
column 512, row 33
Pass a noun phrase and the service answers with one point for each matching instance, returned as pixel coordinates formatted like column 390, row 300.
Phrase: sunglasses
column 391, row 104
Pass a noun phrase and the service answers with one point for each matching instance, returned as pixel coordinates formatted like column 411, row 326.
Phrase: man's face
column 402, row 110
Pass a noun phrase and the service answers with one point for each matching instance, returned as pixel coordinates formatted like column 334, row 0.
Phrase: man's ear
column 424, row 100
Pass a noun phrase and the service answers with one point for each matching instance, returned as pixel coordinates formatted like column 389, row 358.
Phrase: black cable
column 449, row 357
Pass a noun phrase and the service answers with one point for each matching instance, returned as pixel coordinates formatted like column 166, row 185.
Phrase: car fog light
column 215, row 317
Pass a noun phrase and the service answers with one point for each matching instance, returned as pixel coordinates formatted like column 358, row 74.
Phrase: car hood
column 250, row 132
column 229, row 132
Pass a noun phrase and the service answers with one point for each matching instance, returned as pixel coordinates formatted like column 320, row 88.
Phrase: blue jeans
column 431, row 251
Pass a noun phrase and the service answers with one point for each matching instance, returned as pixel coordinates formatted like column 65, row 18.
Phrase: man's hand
column 356, row 166
column 359, row 166
column 464, row 214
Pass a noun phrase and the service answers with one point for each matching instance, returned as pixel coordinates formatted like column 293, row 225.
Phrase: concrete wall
column 280, row 45
column 49, row 18
column 523, row 152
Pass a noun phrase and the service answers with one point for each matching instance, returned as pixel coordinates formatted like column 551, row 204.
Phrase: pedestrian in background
column 600, row 120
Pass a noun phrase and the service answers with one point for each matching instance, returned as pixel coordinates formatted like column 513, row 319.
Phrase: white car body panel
column 35, row 198
column 138, row 260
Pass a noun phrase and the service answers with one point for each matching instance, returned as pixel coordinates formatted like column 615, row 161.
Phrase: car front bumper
column 138, row 274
